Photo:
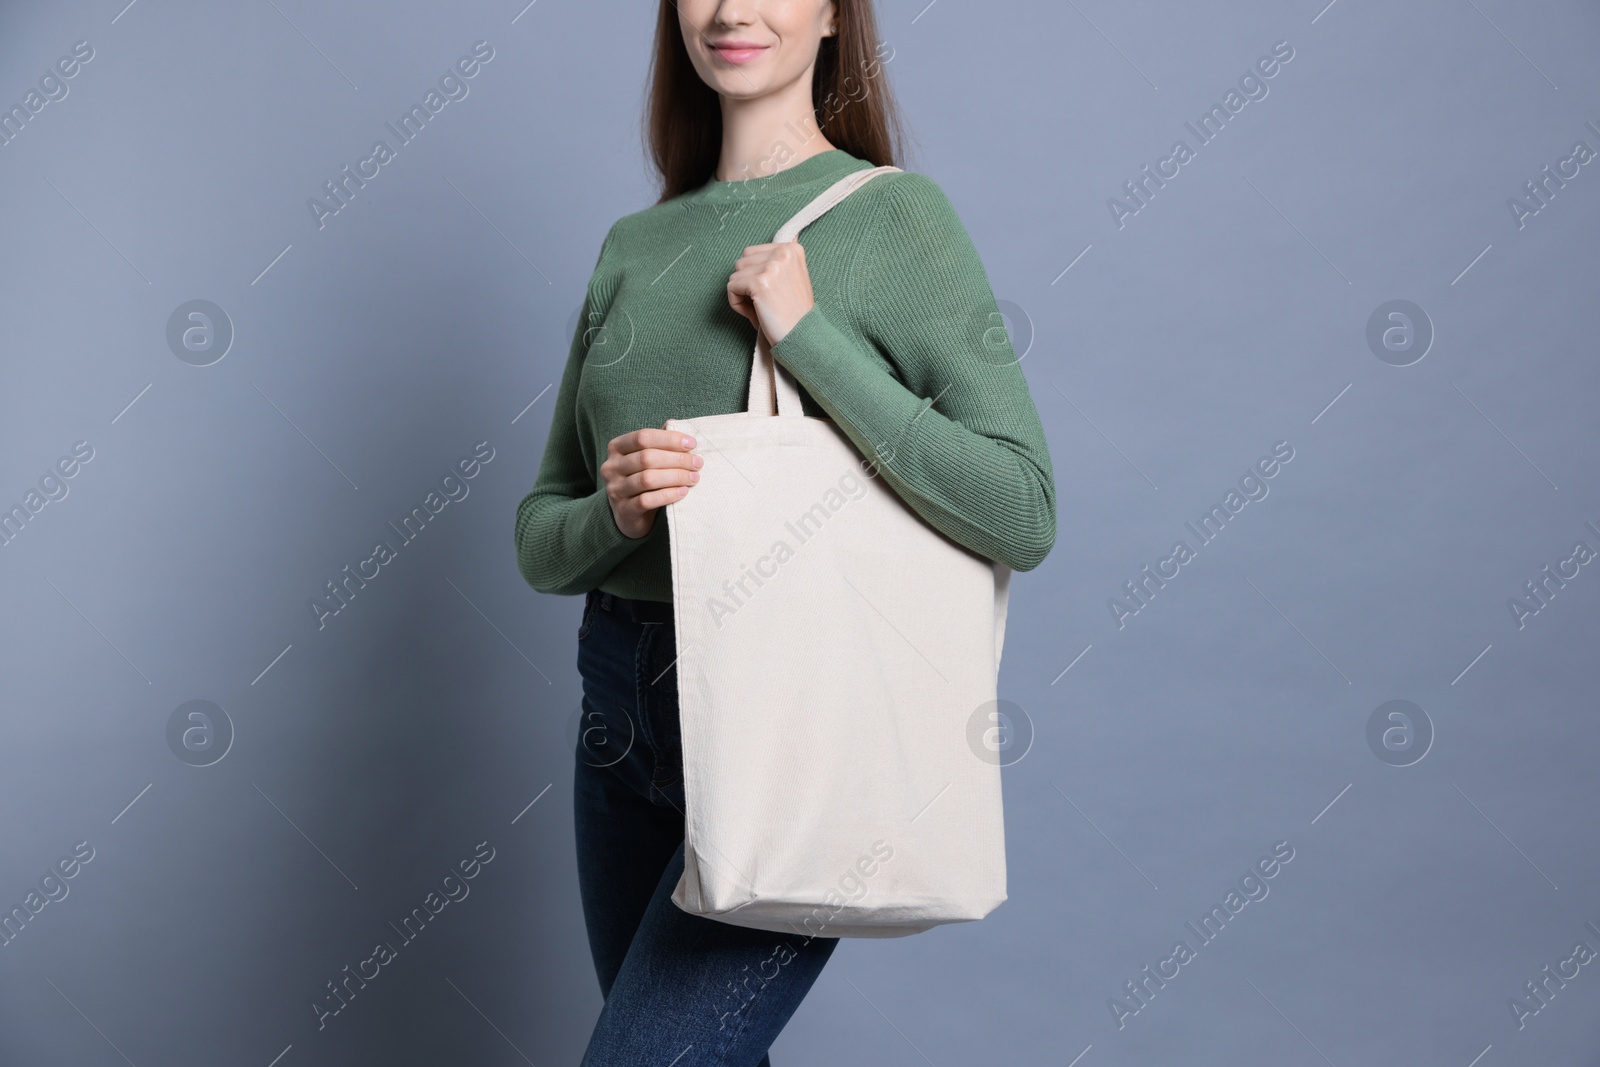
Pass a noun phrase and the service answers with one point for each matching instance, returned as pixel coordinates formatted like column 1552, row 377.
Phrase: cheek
column 694, row 23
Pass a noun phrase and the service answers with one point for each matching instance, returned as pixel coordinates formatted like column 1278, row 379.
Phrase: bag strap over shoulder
column 766, row 377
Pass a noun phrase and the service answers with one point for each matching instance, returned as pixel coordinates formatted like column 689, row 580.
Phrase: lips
column 738, row 51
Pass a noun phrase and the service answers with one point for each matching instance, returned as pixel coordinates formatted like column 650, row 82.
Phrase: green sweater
column 905, row 349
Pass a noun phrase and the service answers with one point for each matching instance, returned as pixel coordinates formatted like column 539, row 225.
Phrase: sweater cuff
column 598, row 540
column 852, row 384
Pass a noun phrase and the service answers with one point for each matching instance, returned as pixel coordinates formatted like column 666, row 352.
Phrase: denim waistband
column 640, row 611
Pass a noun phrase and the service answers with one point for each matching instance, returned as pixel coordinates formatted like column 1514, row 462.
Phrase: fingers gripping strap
column 763, row 367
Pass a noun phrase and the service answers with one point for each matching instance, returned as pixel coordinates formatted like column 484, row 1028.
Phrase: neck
column 769, row 134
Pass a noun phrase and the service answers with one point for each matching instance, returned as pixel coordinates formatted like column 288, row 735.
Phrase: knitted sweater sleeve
column 567, row 539
column 918, row 371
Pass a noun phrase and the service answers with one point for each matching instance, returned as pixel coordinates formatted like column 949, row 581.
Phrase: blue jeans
column 680, row 989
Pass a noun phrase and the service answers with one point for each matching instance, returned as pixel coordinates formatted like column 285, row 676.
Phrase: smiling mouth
column 737, row 53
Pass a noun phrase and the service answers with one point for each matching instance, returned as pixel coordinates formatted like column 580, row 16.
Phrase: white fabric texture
column 837, row 667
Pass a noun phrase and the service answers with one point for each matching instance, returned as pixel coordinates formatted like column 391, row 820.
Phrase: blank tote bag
column 837, row 662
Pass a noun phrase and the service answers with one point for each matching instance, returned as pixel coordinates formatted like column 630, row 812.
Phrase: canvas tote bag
column 837, row 662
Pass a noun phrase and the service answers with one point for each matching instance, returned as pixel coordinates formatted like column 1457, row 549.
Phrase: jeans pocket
column 591, row 604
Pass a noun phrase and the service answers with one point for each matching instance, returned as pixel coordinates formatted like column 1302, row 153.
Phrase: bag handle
column 766, row 376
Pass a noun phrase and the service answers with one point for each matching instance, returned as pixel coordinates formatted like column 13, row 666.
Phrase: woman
column 886, row 319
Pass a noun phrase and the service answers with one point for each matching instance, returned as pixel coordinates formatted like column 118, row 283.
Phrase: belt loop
column 605, row 601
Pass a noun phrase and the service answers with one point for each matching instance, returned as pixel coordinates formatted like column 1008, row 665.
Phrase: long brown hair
column 850, row 97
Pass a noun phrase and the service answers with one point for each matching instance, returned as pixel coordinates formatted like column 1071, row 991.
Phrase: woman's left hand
column 771, row 287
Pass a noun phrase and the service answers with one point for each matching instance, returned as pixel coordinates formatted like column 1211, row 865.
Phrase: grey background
column 1229, row 714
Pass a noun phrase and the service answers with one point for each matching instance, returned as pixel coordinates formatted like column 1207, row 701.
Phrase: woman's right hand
column 644, row 470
